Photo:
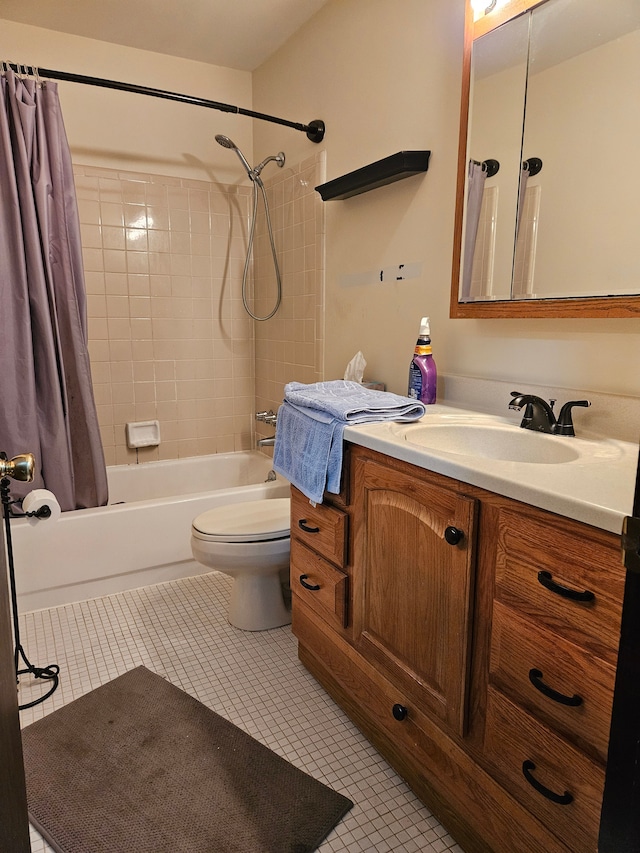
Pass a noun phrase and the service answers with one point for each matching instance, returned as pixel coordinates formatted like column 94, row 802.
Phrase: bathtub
column 142, row 537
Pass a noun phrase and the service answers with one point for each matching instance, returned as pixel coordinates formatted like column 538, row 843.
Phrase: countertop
column 596, row 488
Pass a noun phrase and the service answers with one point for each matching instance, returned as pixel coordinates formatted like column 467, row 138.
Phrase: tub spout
column 267, row 442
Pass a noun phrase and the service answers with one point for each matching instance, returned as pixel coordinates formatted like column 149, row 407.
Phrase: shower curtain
column 476, row 177
column 46, row 395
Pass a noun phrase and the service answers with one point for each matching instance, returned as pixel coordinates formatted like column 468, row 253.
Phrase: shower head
column 225, row 141
column 229, row 143
column 254, row 174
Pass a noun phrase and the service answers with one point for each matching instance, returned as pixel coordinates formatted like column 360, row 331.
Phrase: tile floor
column 179, row 631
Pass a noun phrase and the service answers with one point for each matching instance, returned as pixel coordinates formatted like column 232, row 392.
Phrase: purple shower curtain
column 46, row 395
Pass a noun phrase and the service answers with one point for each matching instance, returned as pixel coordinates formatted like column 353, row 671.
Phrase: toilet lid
column 247, row 521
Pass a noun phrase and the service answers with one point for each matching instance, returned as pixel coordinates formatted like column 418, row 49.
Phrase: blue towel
column 311, row 422
column 352, row 402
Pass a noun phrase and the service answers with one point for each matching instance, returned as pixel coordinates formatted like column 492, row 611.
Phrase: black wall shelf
column 386, row 171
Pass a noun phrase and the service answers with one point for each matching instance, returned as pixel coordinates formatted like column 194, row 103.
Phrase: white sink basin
column 590, row 479
column 502, row 442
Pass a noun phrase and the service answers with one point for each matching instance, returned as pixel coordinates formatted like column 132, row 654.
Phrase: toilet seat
column 247, row 521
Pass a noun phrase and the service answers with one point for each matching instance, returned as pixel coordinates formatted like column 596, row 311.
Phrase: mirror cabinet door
column 582, row 121
column 552, row 100
column 496, row 116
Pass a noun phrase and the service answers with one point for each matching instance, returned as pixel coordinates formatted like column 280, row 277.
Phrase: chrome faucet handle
column 266, row 417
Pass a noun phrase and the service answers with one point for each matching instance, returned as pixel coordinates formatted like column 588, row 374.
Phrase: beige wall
column 386, row 77
column 121, row 130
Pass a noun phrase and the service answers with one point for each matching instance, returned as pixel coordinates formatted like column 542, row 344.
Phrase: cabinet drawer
column 562, row 684
column 538, row 768
column 320, row 585
column 323, row 528
column 567, row 577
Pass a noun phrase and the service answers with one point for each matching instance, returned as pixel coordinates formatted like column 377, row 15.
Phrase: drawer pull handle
column 313, row 587
column 302, row 524
column 453, row 535
column 535, row 677
column 574, row 594
column 560, row 799
column 399, row 711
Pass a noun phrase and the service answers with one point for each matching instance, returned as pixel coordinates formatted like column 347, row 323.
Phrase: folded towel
column 352, row 402
column 311, row 422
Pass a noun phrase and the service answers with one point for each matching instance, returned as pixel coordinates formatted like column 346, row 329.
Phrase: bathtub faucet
column 269, row 417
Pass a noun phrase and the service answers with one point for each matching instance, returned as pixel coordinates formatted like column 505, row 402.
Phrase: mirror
column 548, row 199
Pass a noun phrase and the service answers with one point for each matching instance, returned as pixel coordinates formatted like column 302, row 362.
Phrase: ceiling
column 233, row 33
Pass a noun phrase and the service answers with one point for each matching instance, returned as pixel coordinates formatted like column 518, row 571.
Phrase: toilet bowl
column 250, row 542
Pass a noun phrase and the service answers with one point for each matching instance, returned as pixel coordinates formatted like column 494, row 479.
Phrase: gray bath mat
column 139, row 765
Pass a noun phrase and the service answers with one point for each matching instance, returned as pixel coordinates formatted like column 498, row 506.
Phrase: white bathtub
column 142, row 537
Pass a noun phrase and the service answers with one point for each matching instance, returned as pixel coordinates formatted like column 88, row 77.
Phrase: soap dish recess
column 143, row 434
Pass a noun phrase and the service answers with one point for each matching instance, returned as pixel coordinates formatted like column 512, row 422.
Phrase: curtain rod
column 314, row 130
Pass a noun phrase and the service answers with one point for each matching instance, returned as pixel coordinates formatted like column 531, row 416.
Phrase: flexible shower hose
column 257, row 182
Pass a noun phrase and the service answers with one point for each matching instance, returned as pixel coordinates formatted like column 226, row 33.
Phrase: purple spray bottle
column 423, row 375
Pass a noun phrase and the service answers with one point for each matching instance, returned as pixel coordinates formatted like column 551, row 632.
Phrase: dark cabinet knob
column 453, row 535
column 399, row 711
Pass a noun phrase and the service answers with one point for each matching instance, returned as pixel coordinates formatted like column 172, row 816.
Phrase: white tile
column 179, row 630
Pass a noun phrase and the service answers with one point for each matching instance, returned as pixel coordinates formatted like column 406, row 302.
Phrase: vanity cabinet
column 473, row 639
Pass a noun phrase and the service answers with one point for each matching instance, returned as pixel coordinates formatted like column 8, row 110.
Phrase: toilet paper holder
column 43, row 512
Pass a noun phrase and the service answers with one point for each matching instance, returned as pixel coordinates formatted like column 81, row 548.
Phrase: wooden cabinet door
column 412, row 589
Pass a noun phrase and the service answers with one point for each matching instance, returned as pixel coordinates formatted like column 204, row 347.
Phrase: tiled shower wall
column 168, row 336
column 290, row 346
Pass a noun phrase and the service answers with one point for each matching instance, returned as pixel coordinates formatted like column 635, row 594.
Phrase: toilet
column 250, row 542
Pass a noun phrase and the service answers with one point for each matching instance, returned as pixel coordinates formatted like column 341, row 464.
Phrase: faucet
column 539, row 415
column 271, row 419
